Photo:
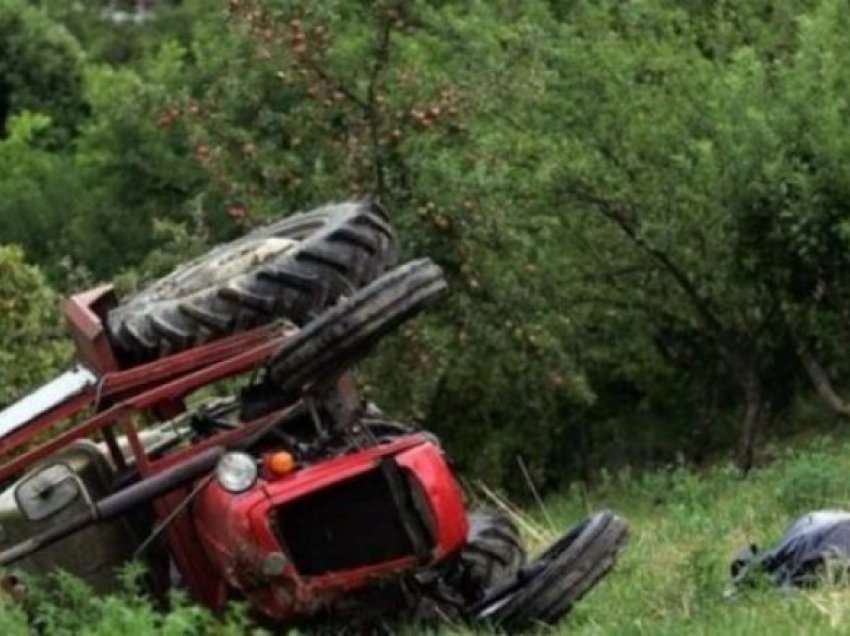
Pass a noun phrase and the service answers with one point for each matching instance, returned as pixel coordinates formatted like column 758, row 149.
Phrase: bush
column 61, row 605
column 812, row 482
column 33, row 345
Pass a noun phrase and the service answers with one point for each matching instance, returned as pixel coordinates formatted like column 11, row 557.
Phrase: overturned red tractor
column 293, row 494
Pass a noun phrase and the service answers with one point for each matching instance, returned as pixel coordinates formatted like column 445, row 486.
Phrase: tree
column 621, row 155
column 40, row 70
column 700, row 195
column 640, row 206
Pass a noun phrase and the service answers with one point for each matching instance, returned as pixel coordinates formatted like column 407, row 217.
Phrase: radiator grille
column 353, row 524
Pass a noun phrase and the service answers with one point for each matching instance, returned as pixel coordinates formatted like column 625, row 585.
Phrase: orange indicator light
column 280, row 463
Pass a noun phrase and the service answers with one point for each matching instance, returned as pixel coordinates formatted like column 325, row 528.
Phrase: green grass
column 685, row 528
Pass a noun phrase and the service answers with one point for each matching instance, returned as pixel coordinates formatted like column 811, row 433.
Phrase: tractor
column 212, row 429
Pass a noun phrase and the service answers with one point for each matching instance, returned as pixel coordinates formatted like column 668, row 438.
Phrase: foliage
column 32, row 346
column 122, row 32
column 640, row 206
column 40, row 70
column 60, row 604
column 33, row 188
column 135, row 171
column 641, row 209
column 95, row 209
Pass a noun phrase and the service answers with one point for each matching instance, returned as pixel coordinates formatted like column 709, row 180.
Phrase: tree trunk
column 583, row 451
column 705, row 421
column 821, row 381
column 754, row 416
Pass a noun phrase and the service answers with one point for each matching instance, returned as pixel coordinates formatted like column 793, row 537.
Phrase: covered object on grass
column 812, row 545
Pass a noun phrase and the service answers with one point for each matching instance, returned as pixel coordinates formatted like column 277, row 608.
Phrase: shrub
column 33, row 346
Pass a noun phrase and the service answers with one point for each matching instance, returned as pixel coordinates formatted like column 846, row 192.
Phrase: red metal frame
column 85, row 313
column 122, row 393
column 142, row 388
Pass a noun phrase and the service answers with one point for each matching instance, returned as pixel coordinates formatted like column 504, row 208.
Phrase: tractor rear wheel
column 291, row 269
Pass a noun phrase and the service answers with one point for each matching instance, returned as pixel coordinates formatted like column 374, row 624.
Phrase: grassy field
column 685, row 527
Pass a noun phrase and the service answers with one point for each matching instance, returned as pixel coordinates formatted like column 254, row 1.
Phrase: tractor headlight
column 236, row 472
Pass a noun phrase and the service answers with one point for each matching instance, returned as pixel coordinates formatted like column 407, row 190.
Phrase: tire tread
column 343, row 247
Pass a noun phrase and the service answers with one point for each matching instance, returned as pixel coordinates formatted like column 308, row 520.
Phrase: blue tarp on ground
column 809, row 543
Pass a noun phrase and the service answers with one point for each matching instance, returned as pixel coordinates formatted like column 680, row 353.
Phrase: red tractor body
column 292, row 544
column 296, row 543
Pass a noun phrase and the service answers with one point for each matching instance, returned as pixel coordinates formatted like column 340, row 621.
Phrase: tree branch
column 621, row 216
column 379, row 64
column 311, row 64
column 819, row 377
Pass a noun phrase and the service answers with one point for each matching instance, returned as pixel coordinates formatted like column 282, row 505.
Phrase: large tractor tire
column 492, row 556
column 548, row 588
column 491, row 559
column 345, row 333
column 292, row 269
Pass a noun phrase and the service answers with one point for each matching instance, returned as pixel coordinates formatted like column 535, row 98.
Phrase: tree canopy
column 641, row 206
